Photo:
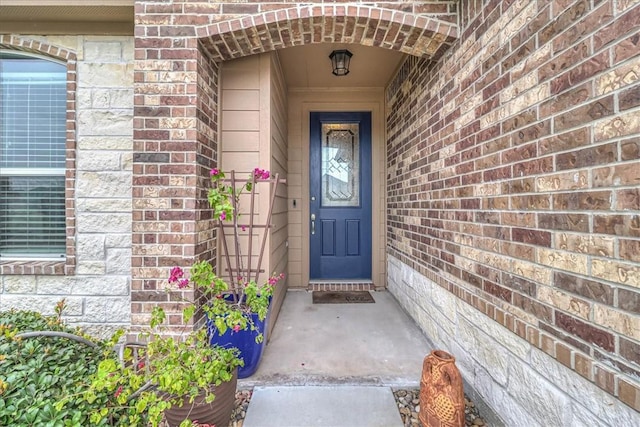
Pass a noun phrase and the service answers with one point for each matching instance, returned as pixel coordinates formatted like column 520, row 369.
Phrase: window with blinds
column 33, row 103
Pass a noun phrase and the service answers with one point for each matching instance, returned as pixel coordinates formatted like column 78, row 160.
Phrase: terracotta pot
column 441, row 392
column 218, row 412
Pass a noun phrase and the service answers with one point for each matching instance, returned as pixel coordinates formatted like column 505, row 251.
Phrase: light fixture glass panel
column 340, row 60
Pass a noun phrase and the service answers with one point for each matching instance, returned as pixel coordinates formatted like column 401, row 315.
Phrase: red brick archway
column 417, row 35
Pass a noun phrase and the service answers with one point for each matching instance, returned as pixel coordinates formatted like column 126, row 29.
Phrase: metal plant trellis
column 236, row 267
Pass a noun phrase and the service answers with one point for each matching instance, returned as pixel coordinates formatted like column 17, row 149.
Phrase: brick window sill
column 27, row 267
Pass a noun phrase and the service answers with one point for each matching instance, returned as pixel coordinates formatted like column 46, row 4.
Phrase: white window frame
column 59, row 172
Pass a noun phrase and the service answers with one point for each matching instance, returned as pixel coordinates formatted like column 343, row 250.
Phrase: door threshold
column 341, row 285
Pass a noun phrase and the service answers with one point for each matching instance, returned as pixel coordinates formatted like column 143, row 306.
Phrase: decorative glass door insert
column 340, row 165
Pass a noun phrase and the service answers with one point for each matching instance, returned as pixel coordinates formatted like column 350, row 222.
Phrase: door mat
column 342, row 297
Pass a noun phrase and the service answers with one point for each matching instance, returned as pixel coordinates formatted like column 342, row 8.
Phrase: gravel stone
column 409, row 411
column 240, row 411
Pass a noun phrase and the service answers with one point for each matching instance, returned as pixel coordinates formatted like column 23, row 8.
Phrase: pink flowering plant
column 226, row 308
column 168, row 368
column 229, row 305
column 221, row 194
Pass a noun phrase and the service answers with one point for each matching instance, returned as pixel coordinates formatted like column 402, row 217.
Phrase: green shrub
column 43, row 379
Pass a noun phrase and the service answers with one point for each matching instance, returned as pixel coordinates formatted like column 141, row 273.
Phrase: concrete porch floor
column 342, row 344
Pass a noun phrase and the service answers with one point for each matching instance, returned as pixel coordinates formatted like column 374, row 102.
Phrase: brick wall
column 95, row 277
column 513, row 172
column 207, row 156
column 178, row 47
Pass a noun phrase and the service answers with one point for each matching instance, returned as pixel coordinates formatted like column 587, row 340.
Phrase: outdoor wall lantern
column 340, row 60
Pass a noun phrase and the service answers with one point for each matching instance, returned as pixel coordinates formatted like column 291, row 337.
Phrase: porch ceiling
column 309, row 66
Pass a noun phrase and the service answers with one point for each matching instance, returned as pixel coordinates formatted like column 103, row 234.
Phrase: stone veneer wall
column 99, row 210
column 514, row 206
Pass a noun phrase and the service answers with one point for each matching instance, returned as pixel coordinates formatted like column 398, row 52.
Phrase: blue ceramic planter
column 245, row 341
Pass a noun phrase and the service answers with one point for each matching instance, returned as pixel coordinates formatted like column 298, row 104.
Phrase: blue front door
column 340, row 190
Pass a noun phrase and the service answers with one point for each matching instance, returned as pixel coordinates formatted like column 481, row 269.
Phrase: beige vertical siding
column 254, row 134
column 242, row 145
column 278, row 258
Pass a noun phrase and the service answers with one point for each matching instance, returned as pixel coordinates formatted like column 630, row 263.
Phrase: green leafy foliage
column 219, row 197
column 227, row 310
column 43, row 380
column 150, row 379
column 227, row 305
column 162, row 373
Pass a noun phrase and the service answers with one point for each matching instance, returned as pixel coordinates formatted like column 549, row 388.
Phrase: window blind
column 32, row 156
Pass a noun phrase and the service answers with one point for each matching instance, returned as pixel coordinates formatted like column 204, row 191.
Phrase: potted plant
column 181, row 378
column 171, row 376
column 52, row 374
column 236, row 310
column 235, row 318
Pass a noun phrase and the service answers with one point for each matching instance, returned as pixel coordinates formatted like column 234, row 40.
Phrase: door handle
column 313, row 223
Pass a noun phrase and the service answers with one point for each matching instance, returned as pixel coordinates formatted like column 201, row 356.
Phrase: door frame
column 330, row 101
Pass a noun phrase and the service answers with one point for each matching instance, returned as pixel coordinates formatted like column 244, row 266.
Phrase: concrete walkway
column 323, row 406
column 332, row 344
column 333, row 365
